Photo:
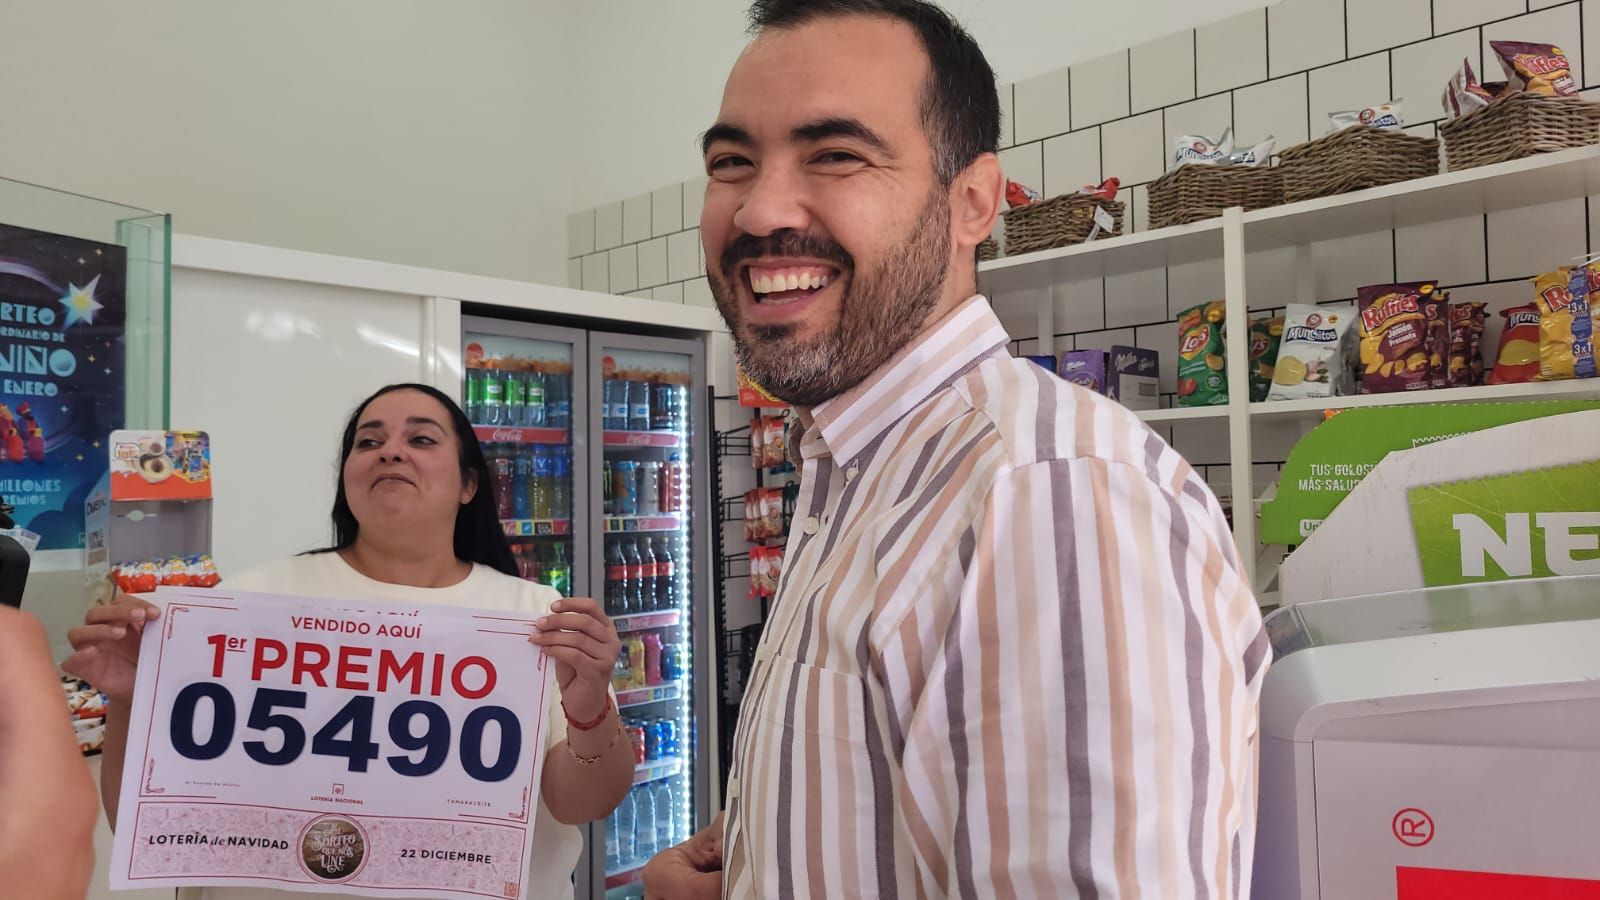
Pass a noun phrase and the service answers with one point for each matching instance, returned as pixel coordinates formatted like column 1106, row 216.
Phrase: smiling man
column 1012, row 653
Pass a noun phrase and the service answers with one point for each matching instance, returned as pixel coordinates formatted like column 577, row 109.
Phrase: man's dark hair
column 960, row 106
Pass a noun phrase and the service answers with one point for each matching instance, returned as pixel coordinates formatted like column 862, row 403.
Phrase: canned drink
column 669, row 738
column 652, row 740
column 671, row 484
column 648, row 494
column 624, row 487
column 636, row 733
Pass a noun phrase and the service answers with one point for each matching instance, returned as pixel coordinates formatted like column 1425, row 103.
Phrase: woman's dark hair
column 478, row 538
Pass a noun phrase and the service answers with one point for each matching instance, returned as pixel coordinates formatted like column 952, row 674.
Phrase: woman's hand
column 107, row 646
column 579, row 636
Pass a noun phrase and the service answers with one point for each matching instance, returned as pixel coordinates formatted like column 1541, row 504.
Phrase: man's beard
column 880, row 311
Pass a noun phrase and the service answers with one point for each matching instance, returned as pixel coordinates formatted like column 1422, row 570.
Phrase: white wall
column 414, row 131
column 652, row 72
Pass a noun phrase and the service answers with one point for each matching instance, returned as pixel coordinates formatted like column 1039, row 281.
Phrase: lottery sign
column 394, row 750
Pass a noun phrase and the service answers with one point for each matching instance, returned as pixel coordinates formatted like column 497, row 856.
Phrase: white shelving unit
column 1569, row 175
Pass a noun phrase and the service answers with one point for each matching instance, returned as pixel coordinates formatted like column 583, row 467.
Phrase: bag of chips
column 1517, row 360
column 1313, row 360
column 1438, row 316
column 1384, row 116
column 1202, row 380
column 1193, row 148
column 1259, row 156
column 1566, row 324
column 1536, row 68
column 1467, row 322
column 1266, row 332
column 1398, row 337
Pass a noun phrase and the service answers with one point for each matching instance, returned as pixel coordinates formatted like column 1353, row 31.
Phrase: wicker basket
column 1519, row 125
column 1056, row 222
column 988, row 249
column 1355, row 158
column 1195, row 192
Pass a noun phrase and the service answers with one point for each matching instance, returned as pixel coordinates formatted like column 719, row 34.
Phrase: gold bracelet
column 591, row 760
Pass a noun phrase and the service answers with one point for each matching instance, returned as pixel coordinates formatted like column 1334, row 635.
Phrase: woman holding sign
column 415, row 523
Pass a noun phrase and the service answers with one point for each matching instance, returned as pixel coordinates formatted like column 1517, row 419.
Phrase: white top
column 556, row 847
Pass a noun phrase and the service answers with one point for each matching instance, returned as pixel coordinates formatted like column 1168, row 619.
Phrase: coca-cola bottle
column 634, row 585
column 666, row 577
column 649, row 587
column 616, row 579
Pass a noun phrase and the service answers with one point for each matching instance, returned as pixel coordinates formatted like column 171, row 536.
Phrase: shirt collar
column 845, row 425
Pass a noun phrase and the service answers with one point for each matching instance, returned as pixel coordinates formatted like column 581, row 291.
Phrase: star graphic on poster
column 81, row 304
column 96, row 445
column 91, row 357
column 80, row 457
column 108, row 370
column 63, row 410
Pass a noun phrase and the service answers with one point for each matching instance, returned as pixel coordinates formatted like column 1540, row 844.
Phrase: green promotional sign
column 1330, row 461
column 1526, row 525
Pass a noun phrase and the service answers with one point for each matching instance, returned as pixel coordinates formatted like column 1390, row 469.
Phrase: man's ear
column 975, row 201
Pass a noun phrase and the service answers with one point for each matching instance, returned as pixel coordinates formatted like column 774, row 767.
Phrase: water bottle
column 615, row 409
column 638, row 393
column 494, row 397
column 560, row 483
column 535, row 412
column 627, row 835
column 474, row 396
column 539, row 483
column 519, row 488
column 558, row 400
column 666, row 815
column 645, row 813
column 613, row 845
column 516, row 399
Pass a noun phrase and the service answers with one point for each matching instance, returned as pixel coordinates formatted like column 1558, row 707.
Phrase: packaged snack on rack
column 144, row 576
column 1398, row 336
column 758, row 441
column 1467, row 322
column 1438, row 316
column 1384, row 116
column 1202, row 380
column 777, row 434
column 772, row 513
column 1018, row 194
column 1541, row 69
column 1567, row 324
column 1463, row 94
column 1266, row 333
column 1517, row 360
column 1194, row 148
column 1313, row 359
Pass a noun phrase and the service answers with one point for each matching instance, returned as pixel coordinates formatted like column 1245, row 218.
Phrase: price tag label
column 1104, row 223
column 277, row 744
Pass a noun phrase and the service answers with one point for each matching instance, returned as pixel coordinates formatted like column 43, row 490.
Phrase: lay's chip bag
column 1567, row 323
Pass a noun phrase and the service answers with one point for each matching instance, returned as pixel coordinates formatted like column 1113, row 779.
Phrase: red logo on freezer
column 1412, row 827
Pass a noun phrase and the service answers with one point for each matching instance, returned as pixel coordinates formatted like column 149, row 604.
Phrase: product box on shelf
column 1134, row 379
column 148, row 521
column 1085, row 368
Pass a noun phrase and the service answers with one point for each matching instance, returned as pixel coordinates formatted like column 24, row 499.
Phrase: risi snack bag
column 1266, row 332
column 1536, row 68
column 1518, row 358
column 1201, row 378
column 1466, row 343
column 1312, row 360
column 1193, row 148
column 1397, row 337
column 1384, row 116
column 1566, row 325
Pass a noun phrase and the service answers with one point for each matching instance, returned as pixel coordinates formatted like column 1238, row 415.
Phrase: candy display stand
column 153, row 504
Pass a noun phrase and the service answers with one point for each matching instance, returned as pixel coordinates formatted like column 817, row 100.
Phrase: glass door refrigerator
column 597, row 443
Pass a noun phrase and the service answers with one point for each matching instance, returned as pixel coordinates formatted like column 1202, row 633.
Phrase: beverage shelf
column 511, row 434
column 536, row 527
column 660, row 693
column 657, row 769
column 634, row 524
column 665, row 439
column 647, row 621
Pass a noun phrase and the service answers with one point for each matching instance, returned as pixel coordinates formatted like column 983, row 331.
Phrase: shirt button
column 851, row 473
column 812, row 525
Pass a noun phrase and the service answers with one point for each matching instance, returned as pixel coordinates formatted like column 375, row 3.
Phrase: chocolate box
column 1135, row 377
column 1085, row 368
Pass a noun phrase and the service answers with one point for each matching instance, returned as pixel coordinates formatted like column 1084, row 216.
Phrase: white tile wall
column 1535, row 239
column 1348, row 85
column 1071, row 161
column 1024, row 165
column 1207, row 117
column 1348, row 263
column 1276, row 107
column 1099, row 90
column 580, row 233
column 1007, row 116
column 1304, row 34
column 1136, row 298
column 1162, row 72
column 1140, row 214
column 1080, row 306
column 666, row 210
column 670, row 293
column 683, row 260
column 641, row 295
column 1381, row 24
column 575, row 273
column 607, row 226
column 1164, row 340
column 596, row 273
column 624, row 269
column 636, row 219
column 694, row 199
column 1042, row 106
column 1591, row 38
column 1271, row 278
column 1453, row 15
column 1544, row 4
column 1231, row 53
column 1133, row 148
column 1105, row 340
column 1559, row 26
column 1449, row 252
column 1422, row 70
column 698, row 293
column 653, row 262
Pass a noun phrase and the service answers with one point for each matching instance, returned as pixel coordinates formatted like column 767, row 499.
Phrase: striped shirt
column 1011, row 654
